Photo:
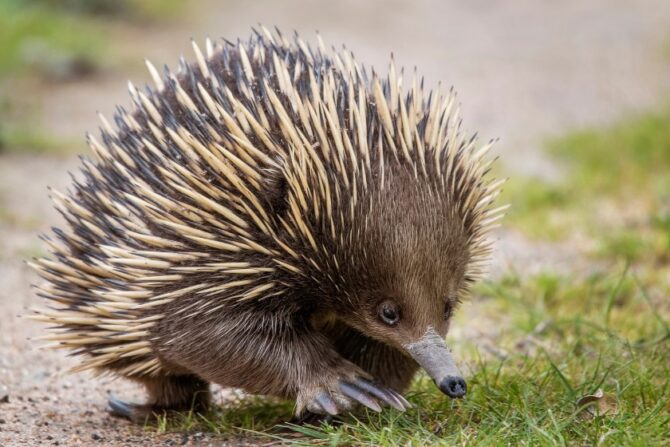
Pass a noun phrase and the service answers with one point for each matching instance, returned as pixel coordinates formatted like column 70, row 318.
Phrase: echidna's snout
column 433, row 355
column 453, row 386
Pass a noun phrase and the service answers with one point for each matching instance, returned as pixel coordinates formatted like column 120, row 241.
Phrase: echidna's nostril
column 453, row 386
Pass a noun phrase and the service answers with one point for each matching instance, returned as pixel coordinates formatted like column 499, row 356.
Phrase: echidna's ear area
column 275, row 191
column 235, row 176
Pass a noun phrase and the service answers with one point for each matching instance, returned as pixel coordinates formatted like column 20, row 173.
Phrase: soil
column 524, row 70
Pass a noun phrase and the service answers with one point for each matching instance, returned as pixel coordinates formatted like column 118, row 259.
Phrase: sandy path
column 523, row 70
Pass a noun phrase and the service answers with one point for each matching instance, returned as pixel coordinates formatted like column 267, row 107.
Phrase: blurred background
column 577, row 91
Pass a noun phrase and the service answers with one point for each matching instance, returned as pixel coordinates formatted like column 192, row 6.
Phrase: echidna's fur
column 249, row 198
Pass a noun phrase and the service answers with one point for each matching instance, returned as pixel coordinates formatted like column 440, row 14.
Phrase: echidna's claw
column 407, row 404
column 117, row 407
column 349, row 391
column 359, row 396
column 327, row 403
column 385, row 394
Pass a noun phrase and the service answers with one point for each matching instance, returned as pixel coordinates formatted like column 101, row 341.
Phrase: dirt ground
column 523, row 69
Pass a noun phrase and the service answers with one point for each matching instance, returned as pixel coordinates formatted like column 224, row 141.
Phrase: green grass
column 616, row 189
column 645, row 241
column 47, row 40
column 22, row 138
column 628, row 158
column 138, row 10
column 601, row 332
column 19, row 135
column 41, row 40
column 38, row 42
column 538, row 209
column 65, row 38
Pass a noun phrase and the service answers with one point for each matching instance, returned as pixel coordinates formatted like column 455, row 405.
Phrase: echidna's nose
column 453, row 386
column 432, row 354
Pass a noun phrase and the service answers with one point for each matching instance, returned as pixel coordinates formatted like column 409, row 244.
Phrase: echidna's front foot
column 347, row 393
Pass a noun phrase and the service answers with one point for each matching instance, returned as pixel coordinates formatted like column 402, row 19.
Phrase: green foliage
column 252, row 416
column 56, row 40
column 538, row 209
column 23, row 138
column 62, row 38
column 647, row 242
column 19, row 135
column 616, row 190
column 45, row 41
column 630, row 157
column 127, row 9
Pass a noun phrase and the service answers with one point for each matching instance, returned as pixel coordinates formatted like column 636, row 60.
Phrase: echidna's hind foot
column 137, row 413
column 167, row 395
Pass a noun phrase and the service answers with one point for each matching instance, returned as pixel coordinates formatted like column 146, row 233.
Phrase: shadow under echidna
column 272, row 218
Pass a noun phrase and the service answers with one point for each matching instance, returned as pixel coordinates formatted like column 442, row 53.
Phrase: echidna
column 275, row 219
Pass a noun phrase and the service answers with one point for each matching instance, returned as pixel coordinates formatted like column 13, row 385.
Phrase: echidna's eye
column 389, row 313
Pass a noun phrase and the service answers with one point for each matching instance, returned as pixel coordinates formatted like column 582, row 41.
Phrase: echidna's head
column 408, row 272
